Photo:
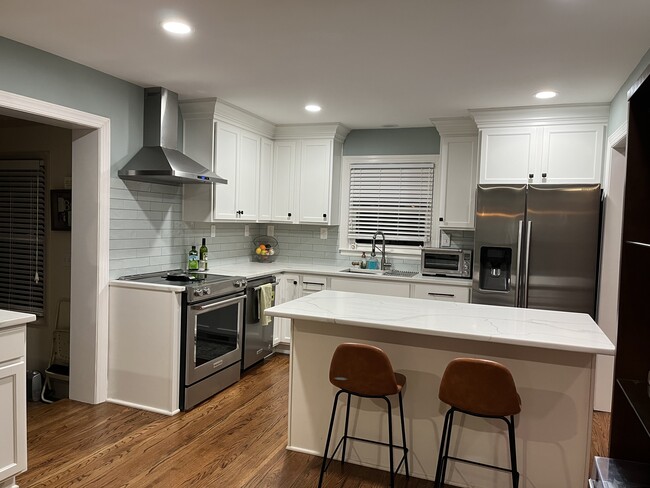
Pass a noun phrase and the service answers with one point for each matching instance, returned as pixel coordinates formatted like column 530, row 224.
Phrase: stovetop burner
column 185, row 276
column 198, row 286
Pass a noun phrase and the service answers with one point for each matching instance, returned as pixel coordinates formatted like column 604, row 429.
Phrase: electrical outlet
column 247, row 230
column 270, row 230
column 213, row 231
column 445, row 239
column 323, row 232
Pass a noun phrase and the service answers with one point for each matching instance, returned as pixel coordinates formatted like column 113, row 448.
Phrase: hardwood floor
column 236, row 439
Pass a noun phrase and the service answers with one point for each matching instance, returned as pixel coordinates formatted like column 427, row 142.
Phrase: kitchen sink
column 364, row 271
column 380, row 272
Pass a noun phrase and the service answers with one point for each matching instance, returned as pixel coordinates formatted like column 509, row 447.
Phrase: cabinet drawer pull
column 431, row 294
column 531, row 175
column 543, row 175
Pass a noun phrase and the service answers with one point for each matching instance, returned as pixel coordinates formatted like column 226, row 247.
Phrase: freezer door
column 500, row 212
column 562, row 262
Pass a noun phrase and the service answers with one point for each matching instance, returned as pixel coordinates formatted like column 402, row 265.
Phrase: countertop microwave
column 438, row 261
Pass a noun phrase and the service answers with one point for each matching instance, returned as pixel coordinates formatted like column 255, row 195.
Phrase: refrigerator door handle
column 529, row 231
column 518, row 268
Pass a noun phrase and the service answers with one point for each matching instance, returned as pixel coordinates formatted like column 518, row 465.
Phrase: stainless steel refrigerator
column 537, row 246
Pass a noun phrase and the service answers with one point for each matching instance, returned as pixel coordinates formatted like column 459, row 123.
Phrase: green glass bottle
column 203, row 256
column 193, row 259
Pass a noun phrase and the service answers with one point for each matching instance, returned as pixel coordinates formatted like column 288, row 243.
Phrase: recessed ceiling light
column 176, row 27
column 545, row 94
column 313, row 108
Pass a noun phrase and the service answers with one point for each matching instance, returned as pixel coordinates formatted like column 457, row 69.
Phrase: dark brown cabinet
column 630, row 421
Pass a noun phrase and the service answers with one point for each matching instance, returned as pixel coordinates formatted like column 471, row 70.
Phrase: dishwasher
column 257, row 340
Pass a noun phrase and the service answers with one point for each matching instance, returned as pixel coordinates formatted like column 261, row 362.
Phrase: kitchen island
column 550, row 354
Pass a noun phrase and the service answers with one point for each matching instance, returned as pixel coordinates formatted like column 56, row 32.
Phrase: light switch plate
column 270, row 230
column 323, row 232
column 213, row 231
column 247, row 230
column 445, row 239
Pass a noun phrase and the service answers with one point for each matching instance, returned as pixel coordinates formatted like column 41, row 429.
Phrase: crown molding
column 455, row 126
column 334, row 130
column 215, row 108
column 542, row 115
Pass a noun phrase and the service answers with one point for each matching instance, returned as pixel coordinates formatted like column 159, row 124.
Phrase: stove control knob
column 198, row 292
column 243, row 283
column 206, row 291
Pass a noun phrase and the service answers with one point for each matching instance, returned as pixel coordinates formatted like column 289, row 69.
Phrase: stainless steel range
column 212, row 317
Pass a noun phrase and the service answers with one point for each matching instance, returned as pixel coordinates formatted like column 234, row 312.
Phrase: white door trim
column 89, row 253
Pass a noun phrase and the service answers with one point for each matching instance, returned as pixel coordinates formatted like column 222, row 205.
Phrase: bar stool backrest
column 363, row 369
column 480, row 386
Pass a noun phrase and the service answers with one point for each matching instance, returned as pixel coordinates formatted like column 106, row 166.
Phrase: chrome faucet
column 383, row 248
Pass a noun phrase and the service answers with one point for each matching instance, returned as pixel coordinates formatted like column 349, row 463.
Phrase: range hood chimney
column 158, row 161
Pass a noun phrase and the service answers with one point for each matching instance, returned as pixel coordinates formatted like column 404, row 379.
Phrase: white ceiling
column 367, row 62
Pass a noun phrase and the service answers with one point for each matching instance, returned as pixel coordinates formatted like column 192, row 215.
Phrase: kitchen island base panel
column 553, row 429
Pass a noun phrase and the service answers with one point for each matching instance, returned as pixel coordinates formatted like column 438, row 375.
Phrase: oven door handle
column 218, row 304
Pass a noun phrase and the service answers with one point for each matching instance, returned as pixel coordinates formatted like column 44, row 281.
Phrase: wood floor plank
column 236, row 439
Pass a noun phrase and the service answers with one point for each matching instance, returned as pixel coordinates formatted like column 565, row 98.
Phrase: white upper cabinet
column 459, row 164
column 307, row 173
column 508, row 155
column 316, row 182
column 284, row 182
column 237, row 158
column 265, row 183
column 547, row 145
column 236, row 146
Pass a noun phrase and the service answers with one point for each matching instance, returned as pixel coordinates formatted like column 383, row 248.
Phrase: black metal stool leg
column 443, row 439
column 444, row 448
column 345, row 435
column 513, row 452
column 401, row 415
column 390, row 442
column 329, row 437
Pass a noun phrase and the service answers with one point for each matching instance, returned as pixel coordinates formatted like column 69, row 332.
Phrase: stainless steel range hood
column 158, row 161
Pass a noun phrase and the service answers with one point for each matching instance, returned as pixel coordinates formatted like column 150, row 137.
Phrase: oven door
column 213, row 336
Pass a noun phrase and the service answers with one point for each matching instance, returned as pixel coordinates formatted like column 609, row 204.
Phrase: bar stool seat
column 365, row 371
column 480, row 388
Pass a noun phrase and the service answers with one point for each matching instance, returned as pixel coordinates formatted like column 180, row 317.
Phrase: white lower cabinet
column 13, row 404
column 286, row 290
column 446, row 293
column 372, row 287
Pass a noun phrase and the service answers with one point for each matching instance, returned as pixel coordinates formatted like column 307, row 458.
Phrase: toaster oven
column 446, row 262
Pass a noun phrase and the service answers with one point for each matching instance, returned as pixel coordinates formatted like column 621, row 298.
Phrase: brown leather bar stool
column 480, row 388
column 365, row 371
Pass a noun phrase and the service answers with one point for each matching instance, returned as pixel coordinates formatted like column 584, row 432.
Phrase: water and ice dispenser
column 496, row 264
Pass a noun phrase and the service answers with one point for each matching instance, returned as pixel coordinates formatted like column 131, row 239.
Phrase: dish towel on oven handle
column 265, row 301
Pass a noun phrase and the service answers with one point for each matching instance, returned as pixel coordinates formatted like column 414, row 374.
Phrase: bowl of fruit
column 265, row 249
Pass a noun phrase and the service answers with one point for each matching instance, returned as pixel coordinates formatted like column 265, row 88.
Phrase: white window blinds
column 395, row 198
column 22, row 230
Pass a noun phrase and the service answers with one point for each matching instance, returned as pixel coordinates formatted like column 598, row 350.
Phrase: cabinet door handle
column 543, row 175
column 324, row 216
column 289, row 214
column 451, row 295
column 530, row 176
column 295, row 282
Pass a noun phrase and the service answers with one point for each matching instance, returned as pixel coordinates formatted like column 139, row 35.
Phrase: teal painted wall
column 37, row 74
column 366, row 142
column 618, row 107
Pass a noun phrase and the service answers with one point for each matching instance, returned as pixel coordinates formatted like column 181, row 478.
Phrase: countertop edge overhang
column 146, row 286
column 9, row 318
column 547, row 329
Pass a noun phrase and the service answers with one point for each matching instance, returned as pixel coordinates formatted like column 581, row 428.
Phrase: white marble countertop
column 8, row 319
column 519, row 326
column 251, row 270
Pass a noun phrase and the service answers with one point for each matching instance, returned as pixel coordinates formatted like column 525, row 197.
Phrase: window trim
column 411, row 253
